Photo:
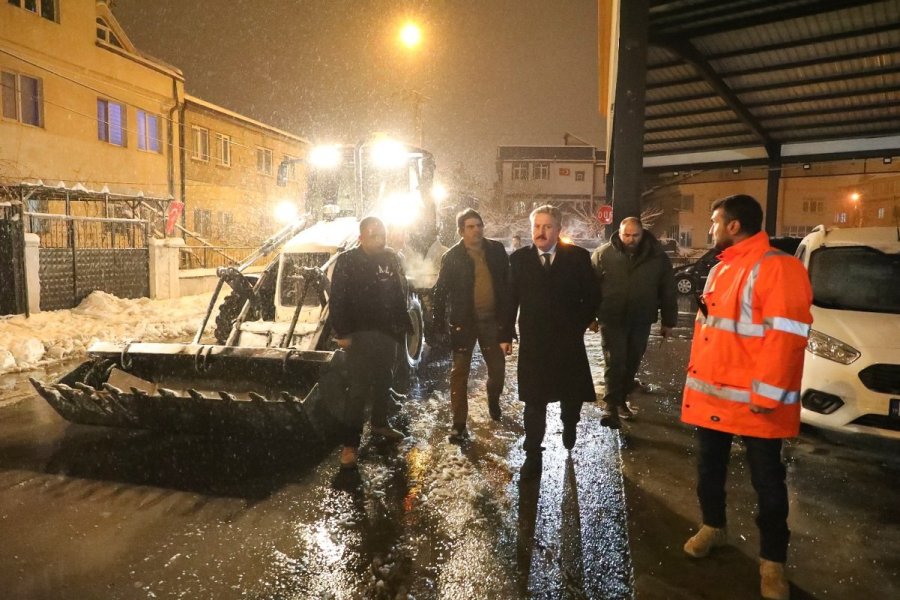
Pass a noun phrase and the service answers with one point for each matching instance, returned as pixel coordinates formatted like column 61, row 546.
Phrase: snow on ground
column 52, row 336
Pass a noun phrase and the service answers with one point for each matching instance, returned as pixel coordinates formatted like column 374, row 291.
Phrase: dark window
column 855, row 278
column 202, row 222
column 22, row 98
column 579, row 175
column 44, row 8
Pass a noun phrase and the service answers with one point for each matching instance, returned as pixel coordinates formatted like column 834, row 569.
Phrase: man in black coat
column 471, row 292
column 368, row 314
column 555, row 293
column 637, row 284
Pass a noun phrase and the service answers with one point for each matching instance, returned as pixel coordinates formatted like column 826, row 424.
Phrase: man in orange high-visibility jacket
column 744, row 378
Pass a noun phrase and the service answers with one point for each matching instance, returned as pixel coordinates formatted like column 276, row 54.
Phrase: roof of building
column 788, row 78
column 568, row 153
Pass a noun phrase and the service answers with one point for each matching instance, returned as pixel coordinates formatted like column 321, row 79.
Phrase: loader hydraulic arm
column 233, row 275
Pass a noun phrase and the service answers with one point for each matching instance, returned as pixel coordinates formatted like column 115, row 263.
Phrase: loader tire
column 409, row 353
column 414, row 342
column 229, row 311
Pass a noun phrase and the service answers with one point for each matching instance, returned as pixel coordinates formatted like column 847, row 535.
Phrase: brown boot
column 348, row 457
column 705, row 540
column 773, row 584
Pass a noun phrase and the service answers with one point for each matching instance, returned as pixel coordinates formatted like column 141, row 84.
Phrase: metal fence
column 14, row 290
column 79, row 255
column 210, row 257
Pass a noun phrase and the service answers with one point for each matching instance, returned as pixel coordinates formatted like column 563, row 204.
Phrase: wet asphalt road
column 107, row 513
column 90, row 512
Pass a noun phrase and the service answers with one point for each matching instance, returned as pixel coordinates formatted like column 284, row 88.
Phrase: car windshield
column 855, row 278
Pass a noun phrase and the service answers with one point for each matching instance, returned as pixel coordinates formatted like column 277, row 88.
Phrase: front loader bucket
column 263, row 392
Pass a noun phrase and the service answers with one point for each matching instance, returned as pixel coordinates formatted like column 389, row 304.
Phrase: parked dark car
column 690, row 279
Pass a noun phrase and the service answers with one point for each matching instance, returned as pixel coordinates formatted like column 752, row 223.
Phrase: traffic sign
column 604, row 214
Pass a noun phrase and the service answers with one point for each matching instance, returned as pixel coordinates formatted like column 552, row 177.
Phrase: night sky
column 495, row 72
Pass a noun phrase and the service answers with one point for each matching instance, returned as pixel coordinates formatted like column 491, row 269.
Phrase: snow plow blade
column 195, row 388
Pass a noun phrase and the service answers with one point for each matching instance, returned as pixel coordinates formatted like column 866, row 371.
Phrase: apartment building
column 82, row 109
column 849, row 193
column 230, row 174
column 569, row 176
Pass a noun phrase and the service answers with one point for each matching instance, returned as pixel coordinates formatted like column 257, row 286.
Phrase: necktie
column 545, row 257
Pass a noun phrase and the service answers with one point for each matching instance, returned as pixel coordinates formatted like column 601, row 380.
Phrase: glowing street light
column 410, row 34
column 856, row 198
column 325, row 157
column 439, row 192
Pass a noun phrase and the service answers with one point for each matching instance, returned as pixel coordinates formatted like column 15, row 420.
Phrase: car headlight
column 831, row 348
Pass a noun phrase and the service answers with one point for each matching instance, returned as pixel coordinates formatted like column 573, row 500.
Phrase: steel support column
column 627, row 127
column 774, row 181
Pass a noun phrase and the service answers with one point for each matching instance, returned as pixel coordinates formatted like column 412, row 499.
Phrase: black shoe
column 459, row 433
column 494, row 409
column 610, row 418
column 569, row 436
column 532, row 466
column 627, row 412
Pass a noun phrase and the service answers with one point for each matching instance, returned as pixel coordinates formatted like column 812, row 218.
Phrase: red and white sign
column 604, row 214
column 564, row 171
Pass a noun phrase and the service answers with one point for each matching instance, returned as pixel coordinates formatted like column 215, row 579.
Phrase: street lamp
column 856, row 198
column 410, row 34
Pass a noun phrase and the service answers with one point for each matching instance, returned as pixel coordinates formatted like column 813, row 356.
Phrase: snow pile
column 52, row 336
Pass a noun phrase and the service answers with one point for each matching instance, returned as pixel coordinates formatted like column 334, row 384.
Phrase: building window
column 519, row 171
column 223, row 149
column 264, row 161
column 687, row 203
column 111, row 122
column 202, row 222
column 686, row 238
column 22, row 99
column 540, row 170
column 841, row 217
column 200, row 145
column 148, row 132
column 881, row 213
column 813, row 206
column 43, row 8
column 290, row 171
column 579, row 175
column 106, row 34
column 225, row 222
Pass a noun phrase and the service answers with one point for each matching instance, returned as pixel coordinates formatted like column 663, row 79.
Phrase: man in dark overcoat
column 555, row 294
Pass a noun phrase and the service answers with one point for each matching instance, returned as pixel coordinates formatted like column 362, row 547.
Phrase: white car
column 851, row 375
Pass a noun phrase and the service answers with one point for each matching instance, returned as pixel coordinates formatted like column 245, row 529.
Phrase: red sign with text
column 604, row 214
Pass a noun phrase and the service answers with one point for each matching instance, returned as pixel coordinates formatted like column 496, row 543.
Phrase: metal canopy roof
column 766, row 75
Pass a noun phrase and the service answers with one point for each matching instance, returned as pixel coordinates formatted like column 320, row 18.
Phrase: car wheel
column 684, row 285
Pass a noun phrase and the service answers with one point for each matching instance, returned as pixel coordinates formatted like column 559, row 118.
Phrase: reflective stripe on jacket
column 748, row 348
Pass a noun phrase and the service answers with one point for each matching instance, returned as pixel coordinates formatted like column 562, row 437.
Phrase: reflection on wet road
column 131, row 514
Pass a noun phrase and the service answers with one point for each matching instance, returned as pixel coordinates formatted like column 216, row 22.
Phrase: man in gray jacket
column 636, row 284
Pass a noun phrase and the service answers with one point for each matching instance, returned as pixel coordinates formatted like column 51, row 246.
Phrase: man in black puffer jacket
column 636, row 284
column 368, row 314
column 472, row 296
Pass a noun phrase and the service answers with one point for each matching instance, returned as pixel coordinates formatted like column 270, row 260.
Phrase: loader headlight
column 401, row 208
column 831, row 348
column 286, row 212
column 388, row 154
